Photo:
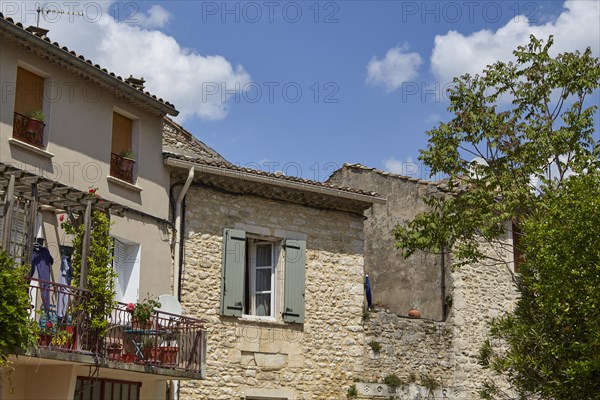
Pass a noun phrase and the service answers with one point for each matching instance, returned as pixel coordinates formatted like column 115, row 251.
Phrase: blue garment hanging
column 41, row 261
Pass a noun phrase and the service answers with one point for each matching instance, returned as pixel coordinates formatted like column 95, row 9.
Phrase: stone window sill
column 127, row 185
column 31, row 148
column 261, row 320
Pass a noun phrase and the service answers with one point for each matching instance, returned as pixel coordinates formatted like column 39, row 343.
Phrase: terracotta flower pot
column 114, row 354
column 414, row 313
column 45, row 339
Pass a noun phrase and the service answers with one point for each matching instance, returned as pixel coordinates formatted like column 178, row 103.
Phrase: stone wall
column 397, row 282
column 314, row 360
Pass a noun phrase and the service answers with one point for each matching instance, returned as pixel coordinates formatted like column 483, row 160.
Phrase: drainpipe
column 178, row 255
column 179, row 236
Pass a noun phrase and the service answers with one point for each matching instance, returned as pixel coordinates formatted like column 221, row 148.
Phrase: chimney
column 135, row 82
column 36, row 30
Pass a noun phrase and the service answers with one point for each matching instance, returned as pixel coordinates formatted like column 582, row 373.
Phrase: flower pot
column 135, row 324
column 168, row 355
column 45, row 339
column 127, row 164
column 129, row 358
column 114, row 353
column 414, row 313
column 34, row 126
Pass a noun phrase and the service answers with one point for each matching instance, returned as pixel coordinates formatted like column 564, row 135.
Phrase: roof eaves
column 273, row 179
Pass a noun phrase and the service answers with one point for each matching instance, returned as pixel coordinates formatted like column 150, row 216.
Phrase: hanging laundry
column 66, row 274
column 41, row 262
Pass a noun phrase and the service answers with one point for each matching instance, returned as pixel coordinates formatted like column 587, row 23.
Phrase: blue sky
column 304, row 86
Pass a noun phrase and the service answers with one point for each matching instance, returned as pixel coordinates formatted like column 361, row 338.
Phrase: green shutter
column 232, row 280
column 295, row 266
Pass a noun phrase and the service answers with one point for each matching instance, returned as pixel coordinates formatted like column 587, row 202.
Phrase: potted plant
column 46, row 334
column 62, row 338
column 127, row 160
column 170, row 348
column 150, row 350
column 35, row 121
column 414, row 311
column 142, row 312
column 113, row 351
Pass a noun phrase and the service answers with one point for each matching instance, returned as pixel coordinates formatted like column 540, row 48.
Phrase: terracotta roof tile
column 278, row 176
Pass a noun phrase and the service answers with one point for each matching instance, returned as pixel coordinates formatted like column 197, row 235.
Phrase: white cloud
column 128, row 44
column 157, row 17
column 396, row 67
column 406, row 168
column 455, row 54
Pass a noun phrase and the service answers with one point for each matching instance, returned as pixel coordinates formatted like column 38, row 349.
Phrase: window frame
column 103, row 381
column 252, row 243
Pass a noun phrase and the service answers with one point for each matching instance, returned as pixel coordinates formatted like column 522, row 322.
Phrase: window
column 28, row 122
column 122, row 158
column 126, row 263
column 251, row 267
column 105, row 389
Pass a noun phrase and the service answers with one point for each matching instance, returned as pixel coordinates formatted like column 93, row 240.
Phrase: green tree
column 530, row 126
column 553, row 335
column 524, row 120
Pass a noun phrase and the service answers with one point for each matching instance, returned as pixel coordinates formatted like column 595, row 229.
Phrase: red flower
column 49, row 324
column 130, row 307
column 61, row 218
column 92, row 191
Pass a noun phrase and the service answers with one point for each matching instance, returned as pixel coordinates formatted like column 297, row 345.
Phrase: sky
column 305, row 86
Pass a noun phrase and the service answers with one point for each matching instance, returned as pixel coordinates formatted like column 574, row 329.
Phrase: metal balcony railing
column 165, row 341
column 122, row 168
column 29, row 131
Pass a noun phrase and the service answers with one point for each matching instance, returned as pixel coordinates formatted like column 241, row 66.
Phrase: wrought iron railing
column 28, row 130
column 166, row 340
column 122, row 167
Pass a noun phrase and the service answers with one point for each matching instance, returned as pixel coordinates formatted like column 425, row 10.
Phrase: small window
column 250, row 284
column 126, row 263
column 29, row 118
column 260, row 284
column 122, row 158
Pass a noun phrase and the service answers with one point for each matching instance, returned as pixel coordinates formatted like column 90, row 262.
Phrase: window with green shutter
column 249, row 277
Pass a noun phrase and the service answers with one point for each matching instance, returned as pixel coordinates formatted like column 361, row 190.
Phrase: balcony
column 122, row 168
column 169, row 344
column 28, row 130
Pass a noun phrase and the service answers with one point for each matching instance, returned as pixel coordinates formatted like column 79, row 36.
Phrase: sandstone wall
column 314, row 360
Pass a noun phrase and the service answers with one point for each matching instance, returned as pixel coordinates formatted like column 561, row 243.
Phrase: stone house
column 92, row 122
column 275, row 264
column 440, row 349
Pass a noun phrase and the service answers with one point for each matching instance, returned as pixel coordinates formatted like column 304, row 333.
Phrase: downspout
column 178, row 256
column 179, row 236
column 443, row 287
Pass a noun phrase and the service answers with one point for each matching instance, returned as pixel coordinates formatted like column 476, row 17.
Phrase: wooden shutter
column 295, row 266
column 232, row 278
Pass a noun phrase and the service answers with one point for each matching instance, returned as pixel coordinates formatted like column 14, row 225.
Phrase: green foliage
column 430, row 383
column 100, row 272
column 546, row 123
column 143, row 310
column 352, row 392
column 553, row 336
column 127, row 154
column 16, row 329
column 366, row 314
column 375, row 346
column 37, row 115
column 393, row 381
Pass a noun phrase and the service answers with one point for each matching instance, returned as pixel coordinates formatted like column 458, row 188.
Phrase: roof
column 275, row 185
column 41, row 45
column 178, row 140
column 441, row 184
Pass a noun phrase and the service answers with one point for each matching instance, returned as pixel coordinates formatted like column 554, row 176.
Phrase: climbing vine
column 101, row 275
column 16, row 329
